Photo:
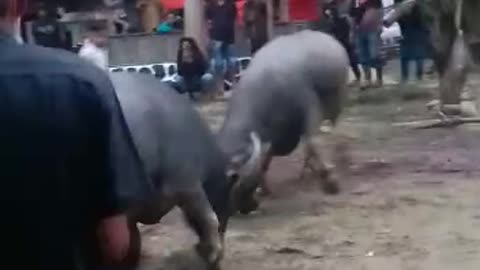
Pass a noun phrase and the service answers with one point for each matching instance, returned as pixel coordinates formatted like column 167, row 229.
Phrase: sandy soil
column 410, row 201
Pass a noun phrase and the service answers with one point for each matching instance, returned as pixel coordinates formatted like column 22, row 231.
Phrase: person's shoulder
column 38, row 54
column 30, row 59
column 60, row 62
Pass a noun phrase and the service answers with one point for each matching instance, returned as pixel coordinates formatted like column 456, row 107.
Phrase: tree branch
column 439, row 123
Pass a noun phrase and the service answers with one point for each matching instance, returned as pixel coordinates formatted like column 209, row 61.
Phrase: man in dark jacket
column 45, row 29
column 255, row 23
column 221, row 15
column 68, row 162
column 341, row 29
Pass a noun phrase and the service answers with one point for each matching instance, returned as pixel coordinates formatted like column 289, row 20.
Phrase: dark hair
column 197, row 54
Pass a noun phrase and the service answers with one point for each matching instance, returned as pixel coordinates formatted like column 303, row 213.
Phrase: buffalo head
column 244, row 170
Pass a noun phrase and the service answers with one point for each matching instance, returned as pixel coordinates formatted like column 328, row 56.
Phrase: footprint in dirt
column 178, row 260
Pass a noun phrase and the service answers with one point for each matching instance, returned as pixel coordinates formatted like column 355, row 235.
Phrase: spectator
column 413, row 46
column 368, row 17
column 94, row 47
column 45, row 29
column 221, row 15
column 167, row 25
column 255, row 23
column 337, row 11
column 192, row 69
column 66, row 154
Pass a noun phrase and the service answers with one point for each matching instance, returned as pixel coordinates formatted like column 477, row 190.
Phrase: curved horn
column 254, row 159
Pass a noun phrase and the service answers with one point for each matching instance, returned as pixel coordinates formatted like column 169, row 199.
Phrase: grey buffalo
column 291, row 85
column 182, row 160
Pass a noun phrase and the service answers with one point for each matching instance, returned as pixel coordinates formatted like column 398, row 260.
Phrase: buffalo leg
column 151, row 211
column 264, row 186
column 203, row 220
column 313, row 158
column 315, row 162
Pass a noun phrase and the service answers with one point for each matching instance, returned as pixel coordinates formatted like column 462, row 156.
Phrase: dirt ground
column 411, row 200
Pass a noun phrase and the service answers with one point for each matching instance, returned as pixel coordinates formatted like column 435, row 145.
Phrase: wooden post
column 270, row 19
column 283, row 11
column 150, row 14
column 195, row 24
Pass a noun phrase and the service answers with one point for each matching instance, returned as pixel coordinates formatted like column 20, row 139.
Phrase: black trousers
column 352, row 56
column 256, row 44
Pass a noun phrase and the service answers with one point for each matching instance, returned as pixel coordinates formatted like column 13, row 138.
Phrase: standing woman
column 368, row 15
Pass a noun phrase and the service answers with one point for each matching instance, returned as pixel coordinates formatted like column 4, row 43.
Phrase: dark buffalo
column 182, row 160
column 291, row 85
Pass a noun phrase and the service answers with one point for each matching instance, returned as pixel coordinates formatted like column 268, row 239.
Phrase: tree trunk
column 270, row 19
column 150, row 14
column 195, row 25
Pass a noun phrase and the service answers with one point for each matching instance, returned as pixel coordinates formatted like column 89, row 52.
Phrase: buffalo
column 291, row 85
column 182, row 161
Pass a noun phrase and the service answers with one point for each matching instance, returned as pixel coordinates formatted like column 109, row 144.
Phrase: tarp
column 302, row 10
column 172, row 4
column 178, row 4
column 299, row 10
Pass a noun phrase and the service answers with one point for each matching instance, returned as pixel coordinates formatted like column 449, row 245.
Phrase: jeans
column 193, row 85
column 408, row 53
column 222, row 55
column 413, row 47
column 369, row 45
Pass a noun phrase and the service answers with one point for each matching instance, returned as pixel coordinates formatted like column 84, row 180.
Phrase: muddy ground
column 411, row 200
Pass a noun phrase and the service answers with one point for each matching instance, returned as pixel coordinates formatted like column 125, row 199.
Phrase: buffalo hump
column 173, row 141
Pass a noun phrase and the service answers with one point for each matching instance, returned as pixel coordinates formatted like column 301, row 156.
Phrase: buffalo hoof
column 330, row 187
column 264, row 192
column 251, row 208
column 211, row 255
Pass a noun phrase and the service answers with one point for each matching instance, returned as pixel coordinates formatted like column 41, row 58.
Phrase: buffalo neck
column 234, row 135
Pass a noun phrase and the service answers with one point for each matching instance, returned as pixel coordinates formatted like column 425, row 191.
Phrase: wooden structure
column 150, row 12
column 77, row 23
